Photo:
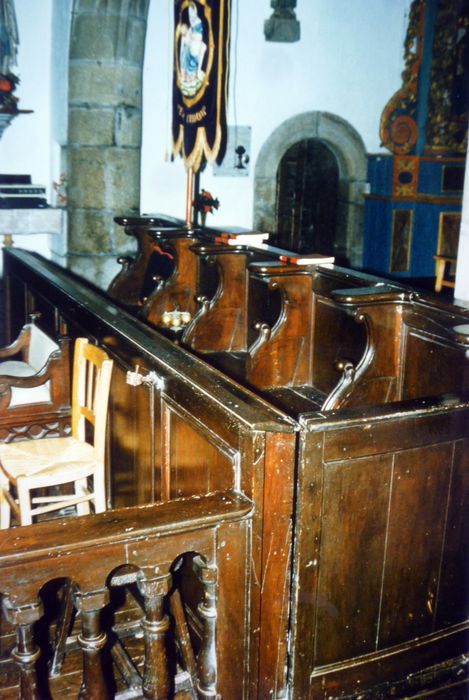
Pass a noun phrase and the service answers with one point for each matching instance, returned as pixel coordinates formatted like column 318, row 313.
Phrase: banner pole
column 189, row 196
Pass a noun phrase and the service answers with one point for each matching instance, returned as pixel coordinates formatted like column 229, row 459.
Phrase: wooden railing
column 147, row 544
column 186, row 430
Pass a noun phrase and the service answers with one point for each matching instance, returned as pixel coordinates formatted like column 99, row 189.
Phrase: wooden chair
column 442, row 262
column 52, row 462
column 34, row 386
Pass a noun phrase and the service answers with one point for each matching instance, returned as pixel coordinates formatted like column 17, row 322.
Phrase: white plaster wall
column 25, row 146
column 348, row 62
column 461, row 291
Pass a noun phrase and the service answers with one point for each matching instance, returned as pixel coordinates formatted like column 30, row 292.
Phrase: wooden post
column 92, row 640
column 26, row 651
column 189, row 196
column 155, row 624
column 207, row 659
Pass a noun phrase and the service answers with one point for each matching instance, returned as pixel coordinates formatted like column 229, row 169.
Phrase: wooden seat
column 441, row 263
column 52, row 462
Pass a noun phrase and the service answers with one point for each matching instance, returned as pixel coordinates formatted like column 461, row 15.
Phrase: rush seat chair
column 51, row 463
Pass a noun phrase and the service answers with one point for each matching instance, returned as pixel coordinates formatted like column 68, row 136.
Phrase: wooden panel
column 353, row 535
column 221, row 324
column 402, row 220
column 337, row 336
column 395, row 430
column 417, row 515
column 445, row 367
column 275, row 581
column 195, row 462
column 234, row 609
column 281, row 356
column 448, row 233
column 130, row 440
column 453, row 594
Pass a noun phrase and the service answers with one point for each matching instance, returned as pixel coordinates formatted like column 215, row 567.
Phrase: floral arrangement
column 8, row 101
column 60, row 189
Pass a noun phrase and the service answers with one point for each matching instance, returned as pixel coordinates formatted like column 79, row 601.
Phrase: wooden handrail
column 115, row 527
column 86, row 552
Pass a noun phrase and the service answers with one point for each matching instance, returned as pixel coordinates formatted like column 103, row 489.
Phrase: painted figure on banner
column 192, row 51
column 200, row 80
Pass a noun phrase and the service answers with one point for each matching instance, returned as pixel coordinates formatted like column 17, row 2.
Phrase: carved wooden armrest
column 365, row 296
column 203, row 304
column 265, row 332
column 54, row 373
column 461, row 334
column 125, row 260
column 18, row 345
column 344, row 385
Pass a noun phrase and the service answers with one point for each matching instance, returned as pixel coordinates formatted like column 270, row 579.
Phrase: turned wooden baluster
column 207, row 659
column 91, row 641
column 26, row 652
column 155, row 624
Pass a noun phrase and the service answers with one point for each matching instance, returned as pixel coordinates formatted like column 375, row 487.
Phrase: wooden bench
column 371, row 599
column 140, row 273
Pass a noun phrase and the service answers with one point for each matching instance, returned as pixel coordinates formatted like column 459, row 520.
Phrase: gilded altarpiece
column 424, row 128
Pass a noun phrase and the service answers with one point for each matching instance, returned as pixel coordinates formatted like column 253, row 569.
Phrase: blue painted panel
column 377, row 238
column 431, row 177
column 380, row 169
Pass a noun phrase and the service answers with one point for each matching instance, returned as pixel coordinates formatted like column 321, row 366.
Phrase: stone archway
column 347, row 146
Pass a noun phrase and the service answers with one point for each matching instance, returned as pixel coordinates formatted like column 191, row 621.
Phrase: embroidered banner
column 200, row 80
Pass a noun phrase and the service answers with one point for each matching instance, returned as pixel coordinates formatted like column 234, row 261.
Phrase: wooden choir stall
column 287, row 484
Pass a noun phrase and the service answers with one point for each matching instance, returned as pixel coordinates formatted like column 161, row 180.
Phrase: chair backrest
column 92, row 370
column 40, row 347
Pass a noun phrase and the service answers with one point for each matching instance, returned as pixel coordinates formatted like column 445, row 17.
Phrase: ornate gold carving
column 448, row 106
column 398, row 129
column 405, row 176
column 446, row 65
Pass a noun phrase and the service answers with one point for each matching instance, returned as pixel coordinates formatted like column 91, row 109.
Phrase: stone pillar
column 104, row 130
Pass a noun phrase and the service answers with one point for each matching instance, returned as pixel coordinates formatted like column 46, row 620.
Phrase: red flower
column 6, row 85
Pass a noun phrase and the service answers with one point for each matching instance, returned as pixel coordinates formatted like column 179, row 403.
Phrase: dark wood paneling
column 452, row 605
column 420, row 485
column 353, row 539
column 195, row 461
column 380, row 579
column 337, row 336
column 433, row 367
column 395, row 430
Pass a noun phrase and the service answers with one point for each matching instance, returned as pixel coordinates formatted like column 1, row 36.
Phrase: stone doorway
column 345, row 146
column 306, row 202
